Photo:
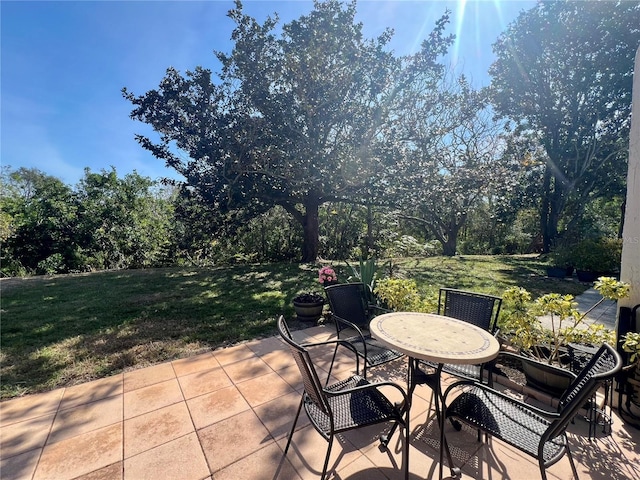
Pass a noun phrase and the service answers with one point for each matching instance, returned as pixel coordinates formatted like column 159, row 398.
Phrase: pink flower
column 327, row 274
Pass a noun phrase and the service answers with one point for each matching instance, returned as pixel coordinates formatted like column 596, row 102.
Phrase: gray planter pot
column 308, row 312
column 546, row 378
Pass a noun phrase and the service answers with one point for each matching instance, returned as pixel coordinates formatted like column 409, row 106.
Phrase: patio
column 226, row 414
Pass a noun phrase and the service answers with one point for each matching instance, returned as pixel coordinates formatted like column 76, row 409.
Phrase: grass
column 63, row 330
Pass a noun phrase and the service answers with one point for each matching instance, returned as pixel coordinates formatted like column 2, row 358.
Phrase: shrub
column 597, row 255
column 402, row 294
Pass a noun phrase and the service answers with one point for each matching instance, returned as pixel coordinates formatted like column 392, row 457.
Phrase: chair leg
column 573, row 465
column 333, row 359
column 326, row 460
column 293, row 427
column 543, row 470
column 407, row 435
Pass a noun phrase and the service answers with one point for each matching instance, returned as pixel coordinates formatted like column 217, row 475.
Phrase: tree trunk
column 310, row 227
column 449, row 246
column 370, row 240
column 544, row 211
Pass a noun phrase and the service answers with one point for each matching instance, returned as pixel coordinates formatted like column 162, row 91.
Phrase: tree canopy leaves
column 564, row 72
column 295, row 120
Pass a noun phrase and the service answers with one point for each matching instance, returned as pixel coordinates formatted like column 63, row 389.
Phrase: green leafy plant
column 561, row 257
column 309, row 297
column 597, row 255
column 402, row 294
column 523, row 328
column 367, row 273
column 631, row 344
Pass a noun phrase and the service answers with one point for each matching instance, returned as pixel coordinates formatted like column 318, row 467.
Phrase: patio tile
column 197, row 363
column 360, row 469
column 148, row 376
column 20, row 467
column 278, row 415
column 216, row 406
column 150, row 398
column 463, row 444
column 232, row 439
column 265, row 464
column 246, row 369
column 92, row 391
column 344, row 363
column 278, row 359
column 84, row 418
column 155, row 428
column 179, row 459
column 291, row 375
column 308, row 449
column 115, row 471
column 20, row 437
column 264, row 388
column 367, row 440
column 204, row 382
column 498, row 460
column 154, row 412
column 264, row 346
column 604, row 454
column 81, row 454
column 30, row 406
column 230, row 355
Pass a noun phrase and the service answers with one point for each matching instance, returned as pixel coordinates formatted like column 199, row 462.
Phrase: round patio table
column 436, row 338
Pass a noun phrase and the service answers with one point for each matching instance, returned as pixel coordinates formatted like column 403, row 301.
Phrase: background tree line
column 311, row 140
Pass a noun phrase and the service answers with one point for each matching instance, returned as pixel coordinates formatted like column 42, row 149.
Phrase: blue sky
column 64, row 63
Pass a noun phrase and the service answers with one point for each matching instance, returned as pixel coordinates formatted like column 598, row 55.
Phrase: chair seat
column 377, row 353
column 354, row 409
column 465, row 371
column 507, row 421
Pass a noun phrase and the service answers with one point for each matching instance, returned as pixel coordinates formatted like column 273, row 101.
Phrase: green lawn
column 63, row 330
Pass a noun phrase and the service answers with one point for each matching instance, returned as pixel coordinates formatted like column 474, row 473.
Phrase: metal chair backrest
column 478, row 309
column 604, row 365
column 312, row 385
column 347, row 300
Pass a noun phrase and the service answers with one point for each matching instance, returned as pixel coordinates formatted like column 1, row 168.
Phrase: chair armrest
column 373, row 386
column 348, row 324
column 337, row 343
column 507, row 398
column 371, row 307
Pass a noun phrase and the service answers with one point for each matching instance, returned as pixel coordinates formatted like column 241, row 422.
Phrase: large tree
column 295, row 120
column 451, row 158
column 563, row 73
column 41, row 214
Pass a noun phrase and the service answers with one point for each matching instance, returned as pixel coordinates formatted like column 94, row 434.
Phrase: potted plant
column 593, row 258
column 631, row 344
column 560, row 265
column 523, row 329
column 308, row 306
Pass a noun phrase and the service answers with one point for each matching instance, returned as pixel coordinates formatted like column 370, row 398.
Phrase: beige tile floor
column 226, row 414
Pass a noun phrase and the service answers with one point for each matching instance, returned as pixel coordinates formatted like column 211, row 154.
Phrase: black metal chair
column 345, row 405
column 351, row 315
column 536, row 432
column 478, row 309
column 628, row 394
